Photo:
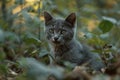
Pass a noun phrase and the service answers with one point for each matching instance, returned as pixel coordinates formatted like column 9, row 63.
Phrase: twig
column 39, row 29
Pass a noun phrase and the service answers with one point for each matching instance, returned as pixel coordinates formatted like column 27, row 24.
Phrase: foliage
column 22, row 35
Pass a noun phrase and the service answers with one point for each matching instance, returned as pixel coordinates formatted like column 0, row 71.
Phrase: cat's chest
column 59, row 51
column 73, row 55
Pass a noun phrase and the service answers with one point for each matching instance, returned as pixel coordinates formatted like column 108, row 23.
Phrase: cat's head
column 59, row 31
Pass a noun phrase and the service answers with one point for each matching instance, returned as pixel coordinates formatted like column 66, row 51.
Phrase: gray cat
column 64, row 46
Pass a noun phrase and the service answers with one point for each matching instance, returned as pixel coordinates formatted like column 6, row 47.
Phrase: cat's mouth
column 56, row 42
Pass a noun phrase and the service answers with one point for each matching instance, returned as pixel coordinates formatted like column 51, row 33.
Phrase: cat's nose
column 55, row 38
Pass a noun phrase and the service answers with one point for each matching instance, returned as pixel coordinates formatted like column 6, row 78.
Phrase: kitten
column 64, row 46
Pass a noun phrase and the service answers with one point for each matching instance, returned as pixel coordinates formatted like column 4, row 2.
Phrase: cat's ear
column 71, row 19
column 47, row 17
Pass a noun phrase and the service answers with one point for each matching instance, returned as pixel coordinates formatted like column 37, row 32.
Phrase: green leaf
column 43, row 53
column 105, row 26
column 2, row 56
column 3, row 68
column 97, row 51
column 31, row 39
column 38, row 71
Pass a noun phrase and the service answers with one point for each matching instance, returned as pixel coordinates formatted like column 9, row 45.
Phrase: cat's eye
column 51, row 30
column 63, row 32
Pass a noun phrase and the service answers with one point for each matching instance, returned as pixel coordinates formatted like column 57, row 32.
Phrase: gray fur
column 64, row 46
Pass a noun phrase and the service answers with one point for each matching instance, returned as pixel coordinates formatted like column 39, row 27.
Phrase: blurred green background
column 22, row 28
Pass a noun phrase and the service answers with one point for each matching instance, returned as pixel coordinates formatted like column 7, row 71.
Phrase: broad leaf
column 105, row 26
